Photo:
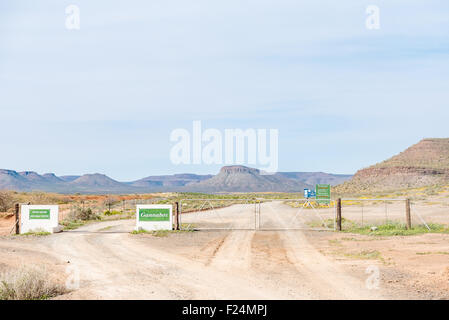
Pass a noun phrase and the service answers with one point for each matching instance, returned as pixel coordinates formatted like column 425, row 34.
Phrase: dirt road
column 238, row 264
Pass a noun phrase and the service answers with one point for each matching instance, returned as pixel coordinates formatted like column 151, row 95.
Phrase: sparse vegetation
column 388, row 229
column 335, row 242
column 393, row 229
column 112, row 213
column 159, row 233
column 6, row 201
column 28, row 284
column 79, row 217
column 140, row 231
column 110, row 201
column 156, row 233
column 35, row 233
column 315, row 204
column 86, row 214
column 365, row 254
column 105, row 228
column 428, row 252
column 71, row 225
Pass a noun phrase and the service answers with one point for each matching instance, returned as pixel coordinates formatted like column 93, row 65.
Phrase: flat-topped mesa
column 28, row 173
column 238, row 169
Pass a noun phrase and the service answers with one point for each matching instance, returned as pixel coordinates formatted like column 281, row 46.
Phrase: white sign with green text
column 35, row 218
column 154, row 217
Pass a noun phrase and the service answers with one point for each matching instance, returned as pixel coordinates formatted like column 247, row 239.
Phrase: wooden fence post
column 408, row 218
column 339, row 214
column 17, row 208
column 176, row 216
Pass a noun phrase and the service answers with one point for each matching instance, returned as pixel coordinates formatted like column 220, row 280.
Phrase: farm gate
column 255, row 214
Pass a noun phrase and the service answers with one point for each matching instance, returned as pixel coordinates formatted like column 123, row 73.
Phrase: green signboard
column 323, row 193
column 39, row 214
column 154, row 214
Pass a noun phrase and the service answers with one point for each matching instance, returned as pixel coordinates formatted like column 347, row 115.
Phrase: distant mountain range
column 229, row 179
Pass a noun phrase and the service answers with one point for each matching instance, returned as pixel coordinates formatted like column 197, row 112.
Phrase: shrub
column 112, row 213
column 84, row 214
column 28, row 284
column 6, row 201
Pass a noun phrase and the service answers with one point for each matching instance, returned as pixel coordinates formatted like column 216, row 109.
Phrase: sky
column 105, row 98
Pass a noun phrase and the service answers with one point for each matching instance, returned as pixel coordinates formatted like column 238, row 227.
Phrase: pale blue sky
column 105, row 98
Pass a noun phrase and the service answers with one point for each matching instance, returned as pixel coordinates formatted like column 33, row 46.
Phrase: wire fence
column 291, row 214
column 268, row 213
column 110, row 207
column 374, row 211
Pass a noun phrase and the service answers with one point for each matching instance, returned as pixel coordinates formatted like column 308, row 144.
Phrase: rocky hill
column 423, row 164
column 89, row 183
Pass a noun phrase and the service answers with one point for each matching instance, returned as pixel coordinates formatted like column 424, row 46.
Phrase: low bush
column 84, row 214
column 79, row 217
column 6, row 201
column 112, row 213
column 28, row 284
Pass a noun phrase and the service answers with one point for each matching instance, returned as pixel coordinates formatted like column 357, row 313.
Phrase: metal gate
column 296, row 214
column 255, row 214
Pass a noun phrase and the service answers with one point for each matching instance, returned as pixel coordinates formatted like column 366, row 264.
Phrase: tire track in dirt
column 109, row 272
column 206, row 281
column 234, row 252
column 216, row 247
column 120, row 252
column 329, row 281
column 272, row 262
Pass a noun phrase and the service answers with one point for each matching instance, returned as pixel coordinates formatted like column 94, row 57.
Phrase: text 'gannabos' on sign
column 154, row 214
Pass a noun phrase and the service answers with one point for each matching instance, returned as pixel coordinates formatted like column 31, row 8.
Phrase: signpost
column 154, row 217
column 309, row 193
column 323, row 193
column 39, row 218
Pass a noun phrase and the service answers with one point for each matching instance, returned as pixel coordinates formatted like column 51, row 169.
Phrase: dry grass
column 364, row 254
column 28, row 284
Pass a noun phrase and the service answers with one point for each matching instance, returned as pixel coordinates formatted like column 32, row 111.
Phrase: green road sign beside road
column 323, row 193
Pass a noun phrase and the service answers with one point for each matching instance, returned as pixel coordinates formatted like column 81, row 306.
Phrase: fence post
column 407, row 214
column 339, row 214
column 17, row 218
column 176, row 216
